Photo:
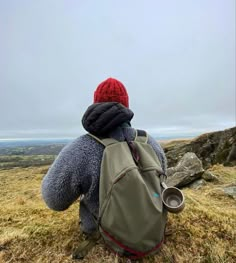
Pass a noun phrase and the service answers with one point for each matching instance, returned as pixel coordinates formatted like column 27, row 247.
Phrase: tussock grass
column 30, row 232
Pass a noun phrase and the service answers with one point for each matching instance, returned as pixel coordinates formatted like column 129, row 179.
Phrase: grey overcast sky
column 176, row 59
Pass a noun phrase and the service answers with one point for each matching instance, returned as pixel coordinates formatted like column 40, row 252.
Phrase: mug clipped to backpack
column 172, row 198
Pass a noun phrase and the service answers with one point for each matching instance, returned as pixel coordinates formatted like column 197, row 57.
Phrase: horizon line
column 152, row 132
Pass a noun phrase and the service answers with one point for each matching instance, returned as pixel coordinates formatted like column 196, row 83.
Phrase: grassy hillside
column 29, row 232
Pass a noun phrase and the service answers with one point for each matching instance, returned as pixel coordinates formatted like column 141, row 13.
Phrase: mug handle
column 164, row 185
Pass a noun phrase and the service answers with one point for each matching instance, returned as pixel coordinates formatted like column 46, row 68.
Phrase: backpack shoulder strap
column 141, row 136
column 105, row 141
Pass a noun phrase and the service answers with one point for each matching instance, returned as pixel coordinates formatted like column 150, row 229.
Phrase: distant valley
column 27, row 153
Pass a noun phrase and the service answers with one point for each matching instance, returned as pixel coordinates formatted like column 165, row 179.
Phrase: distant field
column 11, row 161
column 29, row 232
column 14, row 143
column 51, row 149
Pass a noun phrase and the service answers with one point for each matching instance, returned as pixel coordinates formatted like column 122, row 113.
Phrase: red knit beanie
column 111, row 90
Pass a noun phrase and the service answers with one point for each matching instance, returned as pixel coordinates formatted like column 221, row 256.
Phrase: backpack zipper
column 123, row 173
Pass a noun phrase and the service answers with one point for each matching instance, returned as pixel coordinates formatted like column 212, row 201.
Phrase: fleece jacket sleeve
column 62, row 185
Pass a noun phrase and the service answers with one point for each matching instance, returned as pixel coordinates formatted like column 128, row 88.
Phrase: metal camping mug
column 172, row 198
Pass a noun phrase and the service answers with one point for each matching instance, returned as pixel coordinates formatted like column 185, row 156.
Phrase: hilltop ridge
column 211, row 148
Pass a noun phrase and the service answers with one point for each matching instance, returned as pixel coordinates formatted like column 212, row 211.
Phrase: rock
column 187, row 170
column 210, row 177
column 210, row 148
column 232, row 156
column 198, row 184
column 230, row 191
column 170, row 171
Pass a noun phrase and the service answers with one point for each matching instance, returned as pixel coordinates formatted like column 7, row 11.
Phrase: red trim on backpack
column 137, row 254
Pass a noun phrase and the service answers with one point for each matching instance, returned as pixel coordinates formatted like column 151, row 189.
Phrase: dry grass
column 173, row 142
column 29, row 232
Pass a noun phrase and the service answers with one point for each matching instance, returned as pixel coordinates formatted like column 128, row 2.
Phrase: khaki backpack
column 132, row 217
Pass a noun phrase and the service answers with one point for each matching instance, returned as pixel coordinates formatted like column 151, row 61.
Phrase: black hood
column 101, row 118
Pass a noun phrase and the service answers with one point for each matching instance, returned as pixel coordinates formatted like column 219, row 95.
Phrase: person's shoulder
column 140, row 132
column 132, row 132
column 84, row 142
column 150, row 139
column 79, row 152
column 84, row 139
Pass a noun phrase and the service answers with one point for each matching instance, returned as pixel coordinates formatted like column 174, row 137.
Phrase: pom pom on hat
column 111, row 90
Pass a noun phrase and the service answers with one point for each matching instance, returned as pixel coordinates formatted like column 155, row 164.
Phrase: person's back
column 76, row 171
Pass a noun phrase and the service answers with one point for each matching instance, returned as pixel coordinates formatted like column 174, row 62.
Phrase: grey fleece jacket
column 76, row 172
